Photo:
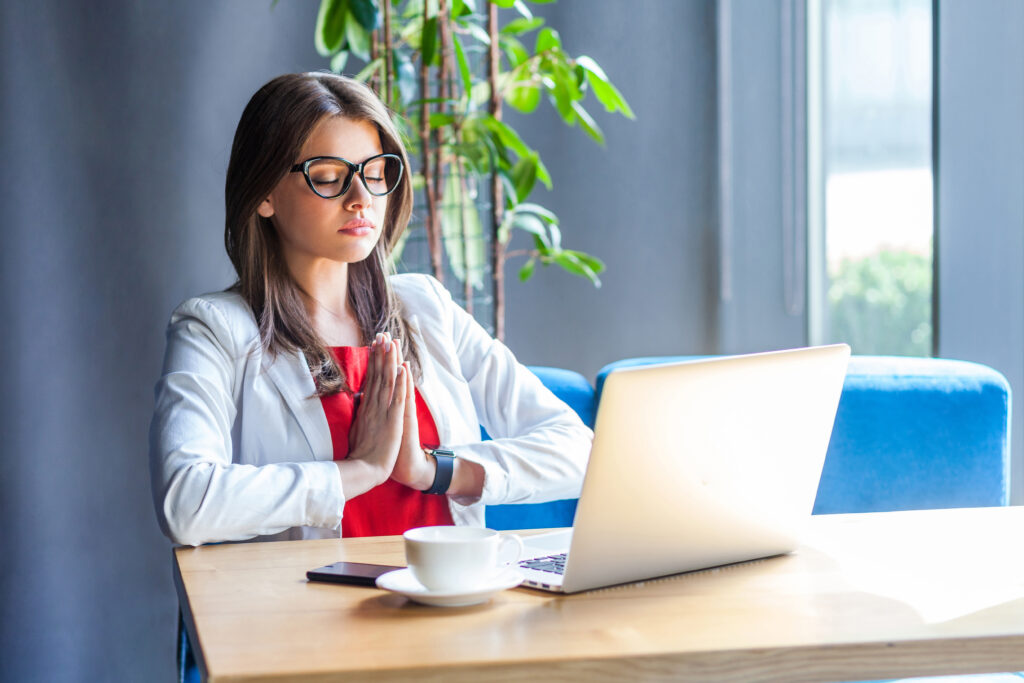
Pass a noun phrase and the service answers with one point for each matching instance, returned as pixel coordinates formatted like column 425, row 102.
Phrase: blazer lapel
column 292, row 378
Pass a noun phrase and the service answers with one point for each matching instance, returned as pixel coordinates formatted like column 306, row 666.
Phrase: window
column 870, row 174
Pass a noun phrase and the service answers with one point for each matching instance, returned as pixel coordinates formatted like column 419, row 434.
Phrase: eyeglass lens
column 330, row 178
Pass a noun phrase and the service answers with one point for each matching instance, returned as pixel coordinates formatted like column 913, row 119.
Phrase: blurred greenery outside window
column 872, row 70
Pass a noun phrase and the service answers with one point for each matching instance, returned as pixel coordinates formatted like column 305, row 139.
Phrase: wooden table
column 867, row 596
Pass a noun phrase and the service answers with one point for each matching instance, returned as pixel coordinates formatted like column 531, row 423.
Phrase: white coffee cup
column 454, row 558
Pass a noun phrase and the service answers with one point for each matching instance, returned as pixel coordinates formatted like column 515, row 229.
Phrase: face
column 343, row 229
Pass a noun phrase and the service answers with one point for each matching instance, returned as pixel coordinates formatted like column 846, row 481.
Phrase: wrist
column 444, row 466
column 426, row 478
column 358, row 476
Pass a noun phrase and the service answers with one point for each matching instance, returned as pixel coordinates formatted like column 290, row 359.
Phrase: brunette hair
column 269, row 138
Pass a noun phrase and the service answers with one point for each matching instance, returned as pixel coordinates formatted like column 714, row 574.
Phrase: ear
column 266, row 208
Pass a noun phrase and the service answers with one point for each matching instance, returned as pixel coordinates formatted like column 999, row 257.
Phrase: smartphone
column 355, row 573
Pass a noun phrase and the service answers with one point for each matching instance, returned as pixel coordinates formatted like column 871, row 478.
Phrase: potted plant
column 447, row 70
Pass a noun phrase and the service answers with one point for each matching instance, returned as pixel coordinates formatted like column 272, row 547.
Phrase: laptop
column 696, row 464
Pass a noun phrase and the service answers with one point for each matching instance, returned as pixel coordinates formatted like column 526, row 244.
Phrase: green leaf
column 368, row 70
column 565, row 74
column 605, row 92
column 521, row 7
column 562, row 98
column 503, row 3
column 524, row 98
column 570, row 262
column 521, row 25
column 542, row 245
column 358, row 39
column 460, row 56
column 413, row 8
column 514, row 50
column 330, row 26
column 338, row 61
column 556, row 237
column 547, row 39
column 592, row 262
column 463, row 233
column 527, row 270
column 510, row 190
column 524, row 174
column 530, row 223
column 441, row 119
column 510, row 138
column 430, row 9
column 539, row 210
column 477, row 31
column 366, row 13
column 506, row 135
column 481, row 93
column 411, row 31
column 588, row 123
column 428, row 43
column 542, row 174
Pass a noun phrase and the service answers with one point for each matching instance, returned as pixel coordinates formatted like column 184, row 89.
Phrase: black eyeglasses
column 330, row 177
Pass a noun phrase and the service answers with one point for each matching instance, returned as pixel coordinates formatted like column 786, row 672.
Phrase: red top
column 391, row 508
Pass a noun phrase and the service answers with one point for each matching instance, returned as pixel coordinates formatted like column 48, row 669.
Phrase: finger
column 398, row 346
column 391, row 366
column 410, row 397
column 397, row 412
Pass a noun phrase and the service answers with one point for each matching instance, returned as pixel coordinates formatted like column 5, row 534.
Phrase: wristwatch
column 445, row 458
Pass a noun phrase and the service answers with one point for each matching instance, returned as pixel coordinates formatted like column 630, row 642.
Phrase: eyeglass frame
column 353, row 170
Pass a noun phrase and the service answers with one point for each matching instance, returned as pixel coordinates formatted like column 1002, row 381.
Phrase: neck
column 325, row 284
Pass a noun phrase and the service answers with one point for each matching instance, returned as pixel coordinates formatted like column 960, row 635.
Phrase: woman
column 307, row 400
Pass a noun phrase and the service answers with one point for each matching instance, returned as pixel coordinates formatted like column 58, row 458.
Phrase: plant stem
column 498, row 255
column 439, row 180
column 467, row 283
column 430, row 225
column 387, row 52
column 374, row 81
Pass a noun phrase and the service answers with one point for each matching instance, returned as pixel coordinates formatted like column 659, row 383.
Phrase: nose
column 358, row 197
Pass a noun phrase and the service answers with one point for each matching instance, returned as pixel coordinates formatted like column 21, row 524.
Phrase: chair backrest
column 910, row 433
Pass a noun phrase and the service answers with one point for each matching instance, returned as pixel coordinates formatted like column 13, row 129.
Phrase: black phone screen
column 357, row 573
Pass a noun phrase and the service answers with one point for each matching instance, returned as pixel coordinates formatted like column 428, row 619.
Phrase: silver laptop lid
column 703, row 463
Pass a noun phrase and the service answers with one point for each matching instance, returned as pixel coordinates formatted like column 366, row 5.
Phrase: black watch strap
column 445, row 467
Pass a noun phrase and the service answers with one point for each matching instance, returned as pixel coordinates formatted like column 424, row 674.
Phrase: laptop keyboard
column 552, row 563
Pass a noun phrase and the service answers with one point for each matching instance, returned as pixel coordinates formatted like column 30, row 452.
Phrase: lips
column 357, row 226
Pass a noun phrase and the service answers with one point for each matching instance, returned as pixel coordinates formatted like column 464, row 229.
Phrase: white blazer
column 240, row 448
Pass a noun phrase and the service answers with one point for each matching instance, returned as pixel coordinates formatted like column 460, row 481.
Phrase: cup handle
column 505, row 538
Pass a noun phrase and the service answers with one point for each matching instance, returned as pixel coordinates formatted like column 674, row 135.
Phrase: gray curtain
column 117, row 120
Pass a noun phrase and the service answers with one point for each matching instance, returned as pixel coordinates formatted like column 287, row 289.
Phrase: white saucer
column 401, row 581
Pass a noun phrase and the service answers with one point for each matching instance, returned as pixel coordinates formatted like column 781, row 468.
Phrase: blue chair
column 910, row 433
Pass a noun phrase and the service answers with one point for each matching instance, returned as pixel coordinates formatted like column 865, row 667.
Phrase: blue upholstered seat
column 910, row 433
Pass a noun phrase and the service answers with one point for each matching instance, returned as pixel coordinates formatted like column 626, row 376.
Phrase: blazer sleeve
column 200, row 495
column 539, row 446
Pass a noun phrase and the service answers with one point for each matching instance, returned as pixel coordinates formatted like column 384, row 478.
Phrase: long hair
column 270, row 135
